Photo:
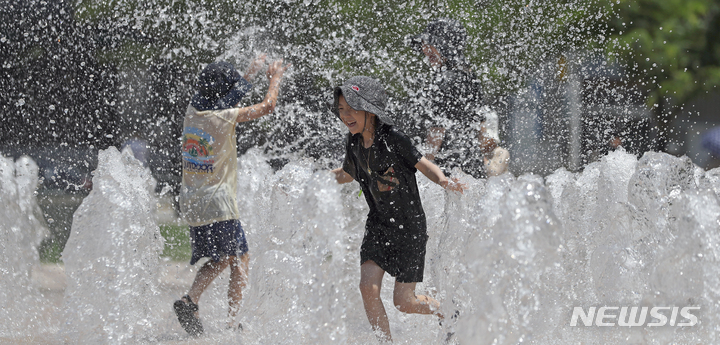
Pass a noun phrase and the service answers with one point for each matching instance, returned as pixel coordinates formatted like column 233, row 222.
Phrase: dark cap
column 447, row 35
column 219, row 86
column 366, row 94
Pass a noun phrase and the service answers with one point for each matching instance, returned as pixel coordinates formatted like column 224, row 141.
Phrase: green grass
column 50, row 250
column 177, row 242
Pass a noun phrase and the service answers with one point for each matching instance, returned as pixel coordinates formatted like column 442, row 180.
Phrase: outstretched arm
column 275, row 73
column 341, row 176
column 436, row 175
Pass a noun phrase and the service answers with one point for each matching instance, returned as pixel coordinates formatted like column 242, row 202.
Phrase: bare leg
column 238, row 281
column 406, row 301
column 371, row 276
column 205, row 275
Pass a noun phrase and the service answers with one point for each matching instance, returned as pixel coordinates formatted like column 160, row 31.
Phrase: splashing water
column 20, row 233
column 112, row 255
column 513, row 255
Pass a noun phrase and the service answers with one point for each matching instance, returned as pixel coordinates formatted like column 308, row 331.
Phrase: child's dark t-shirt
column 389, row 186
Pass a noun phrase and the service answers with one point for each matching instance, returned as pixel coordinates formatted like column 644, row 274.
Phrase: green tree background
column 84, row 75
column 126, row 68
column 672, row 50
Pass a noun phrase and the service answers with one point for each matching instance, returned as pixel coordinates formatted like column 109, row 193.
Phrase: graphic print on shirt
column 387, row 181
column 197, row 151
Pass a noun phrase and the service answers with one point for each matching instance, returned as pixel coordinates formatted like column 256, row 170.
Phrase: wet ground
column 50, row 281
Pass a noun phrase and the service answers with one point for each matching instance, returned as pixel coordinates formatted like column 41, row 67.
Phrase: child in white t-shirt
column 209, row 183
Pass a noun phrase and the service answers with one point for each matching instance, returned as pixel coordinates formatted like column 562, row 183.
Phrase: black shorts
column 217, row 240
column 399, row 249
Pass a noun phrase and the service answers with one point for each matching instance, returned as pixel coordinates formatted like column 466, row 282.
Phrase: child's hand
column 276, row 69
column 454, row 185
column 255, row 66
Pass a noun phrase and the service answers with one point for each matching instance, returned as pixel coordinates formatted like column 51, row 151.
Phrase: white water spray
column 21, row 231
column 112, row 256
column 513, row 255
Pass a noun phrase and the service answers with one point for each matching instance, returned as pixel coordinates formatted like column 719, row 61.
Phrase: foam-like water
column 513, row 255
column 20, row 233
column 112, row 256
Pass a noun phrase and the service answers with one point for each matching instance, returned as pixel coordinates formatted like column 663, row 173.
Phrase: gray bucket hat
column 366, row 94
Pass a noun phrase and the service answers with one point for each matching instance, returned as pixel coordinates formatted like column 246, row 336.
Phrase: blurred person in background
column 457, row 134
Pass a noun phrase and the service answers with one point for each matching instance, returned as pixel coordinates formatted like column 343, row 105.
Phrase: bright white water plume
column 112, row 256
column 513, row 255
column 21, row 231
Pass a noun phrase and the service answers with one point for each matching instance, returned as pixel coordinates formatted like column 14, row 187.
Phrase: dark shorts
column 217, row 240
column 398, row 251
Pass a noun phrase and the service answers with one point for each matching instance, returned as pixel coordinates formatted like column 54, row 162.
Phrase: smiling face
column 355, row 120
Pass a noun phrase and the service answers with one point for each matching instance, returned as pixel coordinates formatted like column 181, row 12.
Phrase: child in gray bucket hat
column 384, row 161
